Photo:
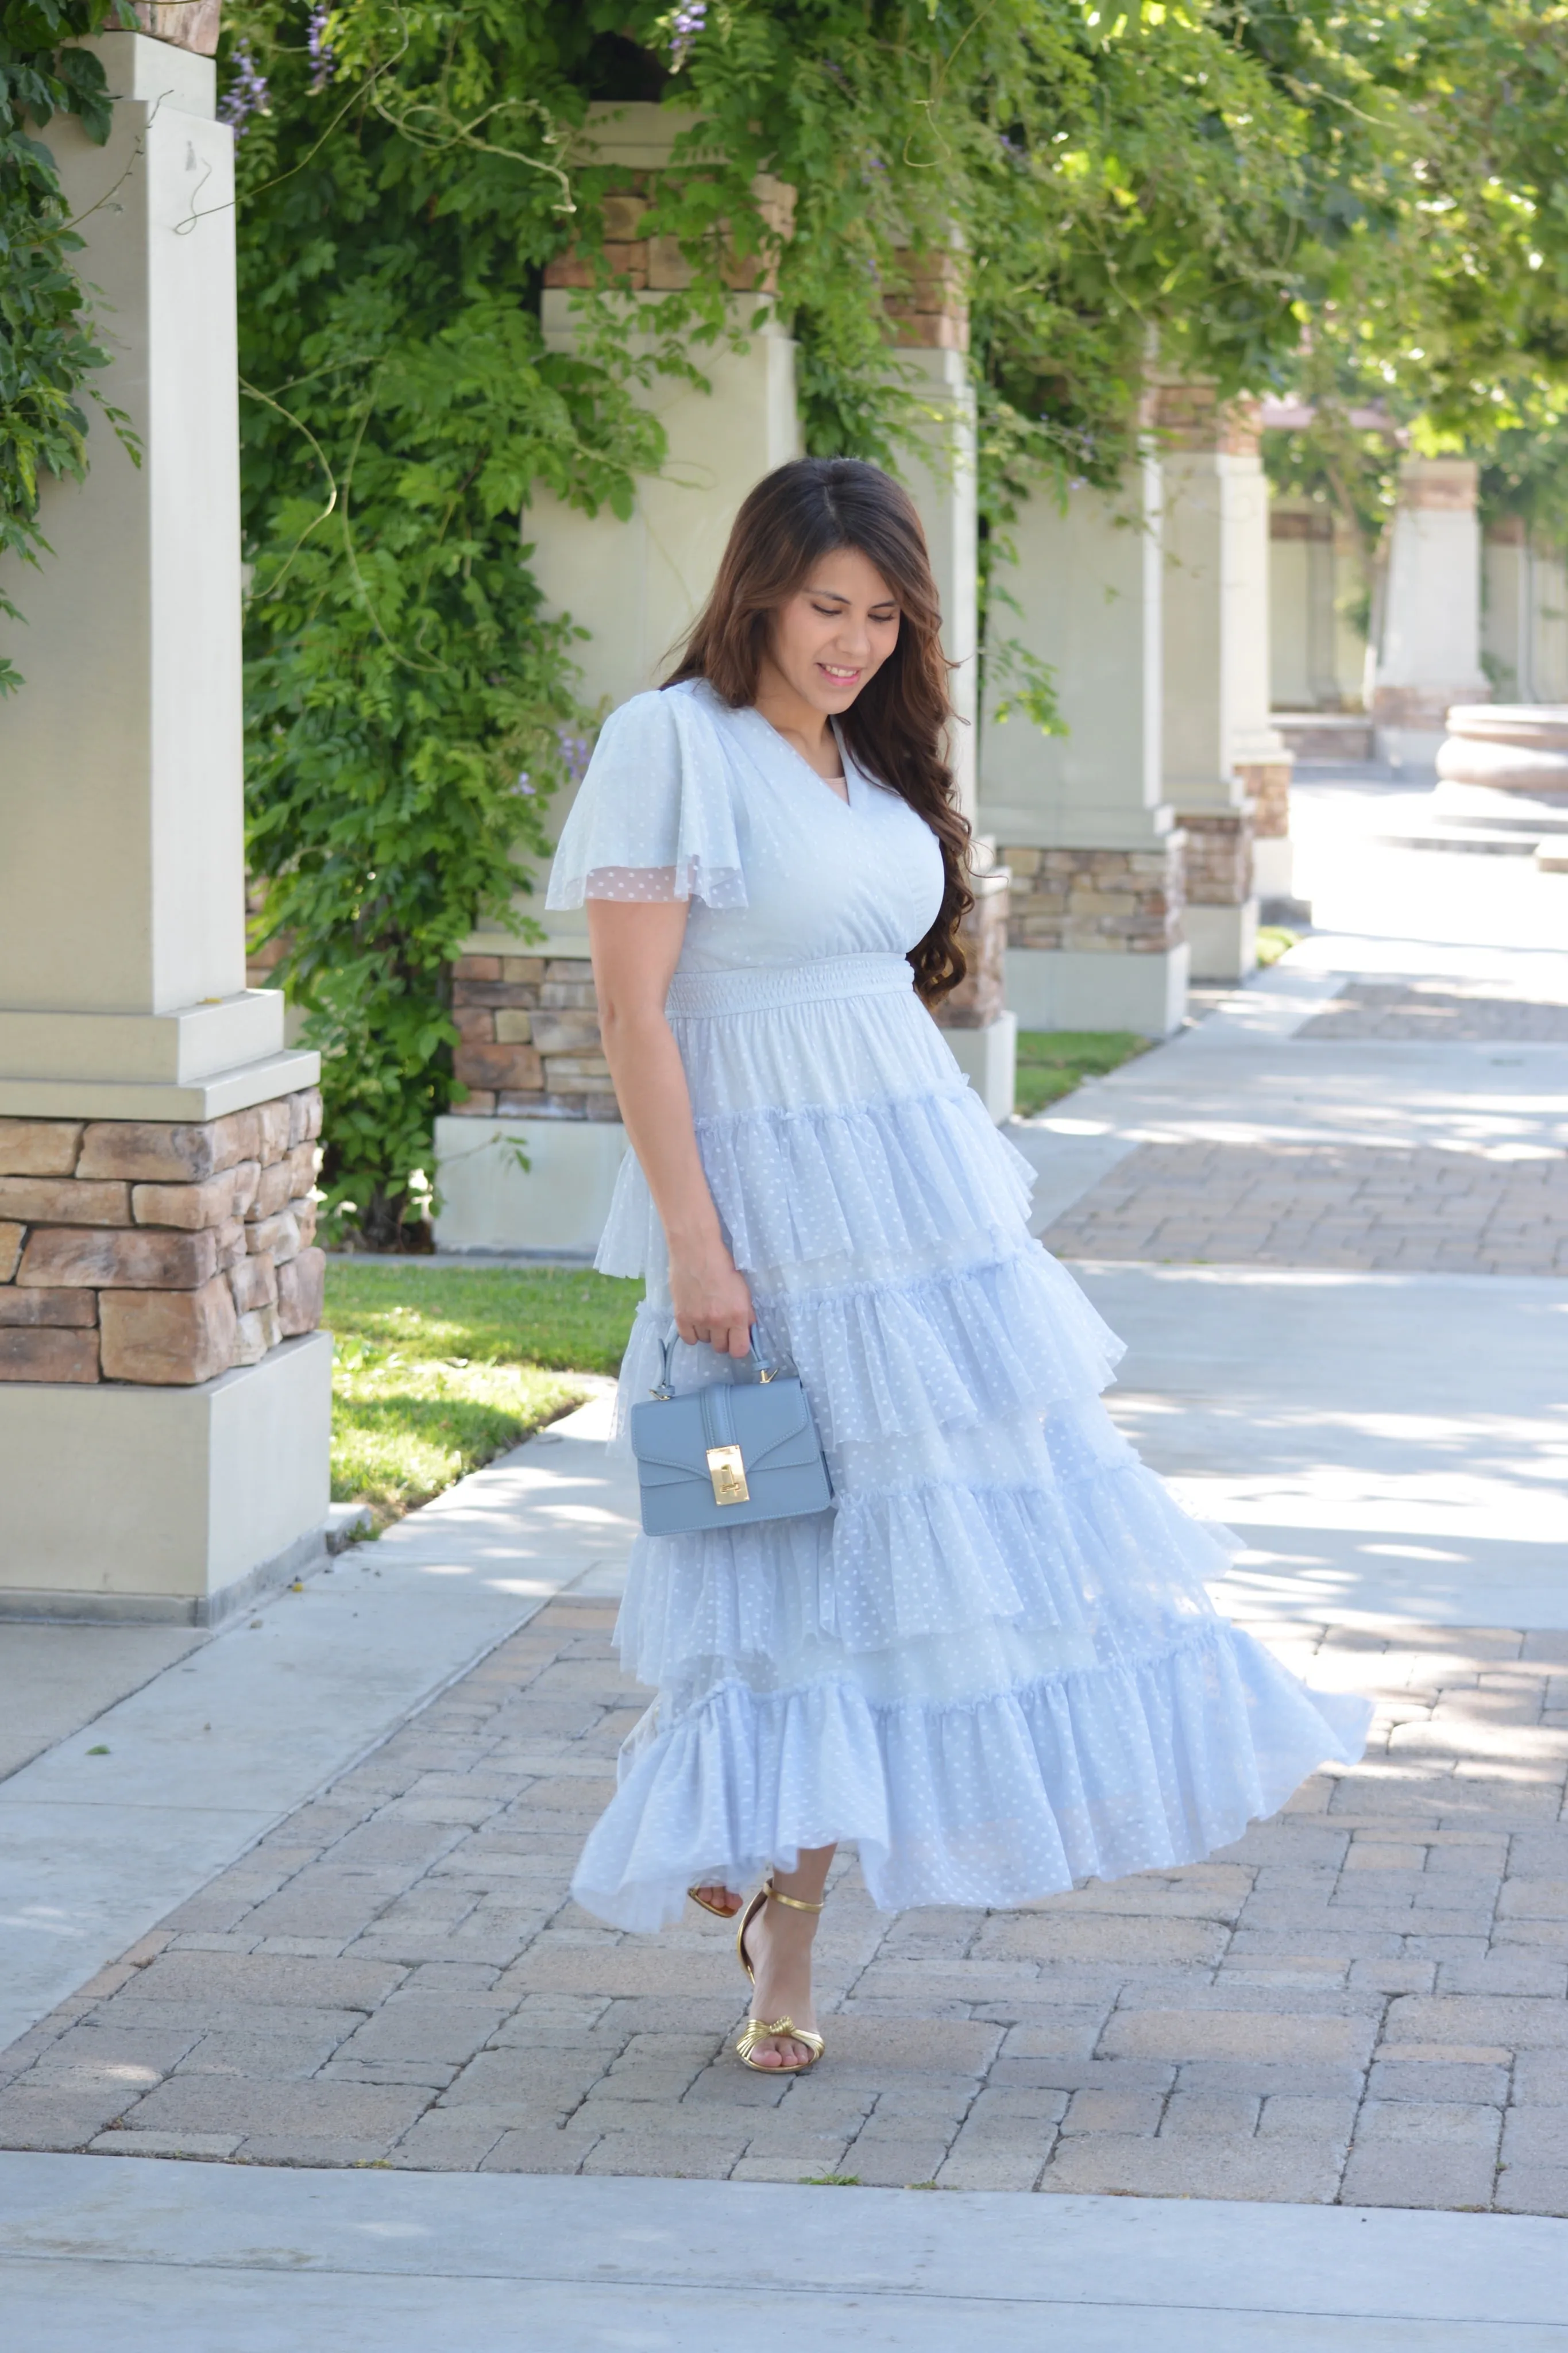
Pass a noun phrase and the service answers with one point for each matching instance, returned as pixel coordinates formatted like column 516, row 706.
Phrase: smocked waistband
column 758, row 988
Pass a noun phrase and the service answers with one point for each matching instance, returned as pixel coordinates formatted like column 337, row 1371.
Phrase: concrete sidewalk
column 184, row 2259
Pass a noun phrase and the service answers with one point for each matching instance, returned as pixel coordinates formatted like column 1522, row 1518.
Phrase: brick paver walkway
column 1366, row 1998
column 1439, row 1011
column 1425, row 1210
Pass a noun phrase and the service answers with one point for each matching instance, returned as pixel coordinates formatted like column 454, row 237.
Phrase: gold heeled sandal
column 757, row 2030
column 703, row 1905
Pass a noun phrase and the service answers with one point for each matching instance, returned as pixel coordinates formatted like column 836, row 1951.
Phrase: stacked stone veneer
column 157, row 1251
column 656, row 265
column 529, row 1025
column 1113, row 901
column 980, row 996
column 531, row 1045
column 1268, row 788
column 1190, row 415
column 930, row 310
column 1218, row 856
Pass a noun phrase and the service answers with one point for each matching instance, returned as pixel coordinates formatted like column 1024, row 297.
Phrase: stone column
column 1081, row 820
column 1302, row 668
column 164, row 1405
column 1506, row 607
column 980, row 1026
column 1318, row 658
column 1227, row 769
column 1524, row 613
column 1430, row 650
column 930, row 326
column 1549, row 613
column 539, row 1087
column 637, row 585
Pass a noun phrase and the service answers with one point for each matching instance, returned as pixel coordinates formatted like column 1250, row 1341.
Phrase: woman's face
column 837, row 631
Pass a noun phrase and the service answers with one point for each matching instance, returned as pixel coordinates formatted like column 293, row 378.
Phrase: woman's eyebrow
column 883, row 604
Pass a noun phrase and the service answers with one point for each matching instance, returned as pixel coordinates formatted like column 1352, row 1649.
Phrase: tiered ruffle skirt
column 992, row 1664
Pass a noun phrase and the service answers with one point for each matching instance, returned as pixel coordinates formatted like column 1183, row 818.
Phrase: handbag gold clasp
column 727, row 1472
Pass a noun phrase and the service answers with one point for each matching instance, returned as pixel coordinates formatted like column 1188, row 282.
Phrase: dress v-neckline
column 844, row 799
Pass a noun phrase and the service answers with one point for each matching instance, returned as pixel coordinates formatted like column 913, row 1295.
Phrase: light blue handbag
column 730, row 1451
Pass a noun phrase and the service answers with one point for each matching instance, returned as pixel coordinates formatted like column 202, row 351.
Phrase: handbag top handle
column 666, row 1348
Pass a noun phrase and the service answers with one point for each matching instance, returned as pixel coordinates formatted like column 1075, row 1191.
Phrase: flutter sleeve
column 653, row 817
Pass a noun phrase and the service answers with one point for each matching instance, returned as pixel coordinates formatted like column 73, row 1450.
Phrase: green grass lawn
column 1274, row 940
column 437, row 1370
column 1051, row 1062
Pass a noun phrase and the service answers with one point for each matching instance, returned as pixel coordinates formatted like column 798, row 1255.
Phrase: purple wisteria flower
column 323, row 64
column 576, row 751
column 247, row 94
column 685, row 24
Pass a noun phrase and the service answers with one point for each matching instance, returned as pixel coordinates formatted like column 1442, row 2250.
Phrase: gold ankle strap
column 794, row 1902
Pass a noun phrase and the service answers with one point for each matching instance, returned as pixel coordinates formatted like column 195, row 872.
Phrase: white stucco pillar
column 929, row 321
column 121, row 886
column 637, row 585
column 1524, row 613
column 1318, row 661
column 944, row 488
column 930, row 325
column 1227, row 769
column 1303, row 619
column 1430, row 652
column 156, row 1153
column 1081, row 820
column 1507, row 615
column 530, row 1056
column 1548, row 634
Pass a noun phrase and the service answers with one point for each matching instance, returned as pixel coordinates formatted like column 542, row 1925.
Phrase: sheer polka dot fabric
column 992, row 1663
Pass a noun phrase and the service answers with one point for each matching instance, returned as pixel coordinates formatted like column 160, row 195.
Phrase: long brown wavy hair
column 896, row 726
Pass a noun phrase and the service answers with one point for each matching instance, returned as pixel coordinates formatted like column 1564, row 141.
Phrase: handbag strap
column 666, row 1348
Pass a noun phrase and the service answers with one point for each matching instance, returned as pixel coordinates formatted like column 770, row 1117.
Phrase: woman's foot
column 778, row 1946
column 714, row 1896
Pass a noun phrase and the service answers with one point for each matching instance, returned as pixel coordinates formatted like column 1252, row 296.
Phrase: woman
column 993, row 1663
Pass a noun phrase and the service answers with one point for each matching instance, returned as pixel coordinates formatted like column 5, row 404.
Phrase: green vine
column 49, row 351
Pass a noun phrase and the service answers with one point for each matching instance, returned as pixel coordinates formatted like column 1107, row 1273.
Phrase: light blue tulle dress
column 992, row 1664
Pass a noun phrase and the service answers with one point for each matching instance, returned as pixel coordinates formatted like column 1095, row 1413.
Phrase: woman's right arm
column 636, row 945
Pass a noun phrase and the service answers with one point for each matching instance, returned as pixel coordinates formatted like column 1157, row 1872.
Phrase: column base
column 1410, row 723
column 1273, row 866
column 1081, row 989
column 1223, row 941
column 173, row 1504
column 557, row 1205
column 989, row 1060
column 1413, row 749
